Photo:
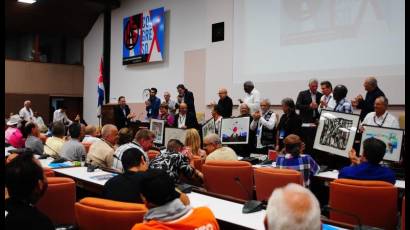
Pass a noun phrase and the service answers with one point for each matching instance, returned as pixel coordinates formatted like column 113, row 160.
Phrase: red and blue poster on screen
column 144, row 37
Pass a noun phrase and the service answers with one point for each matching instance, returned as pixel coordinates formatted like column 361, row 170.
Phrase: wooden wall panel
column 40, row 102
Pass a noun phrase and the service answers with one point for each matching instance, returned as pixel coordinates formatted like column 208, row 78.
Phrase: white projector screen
column 281, row 44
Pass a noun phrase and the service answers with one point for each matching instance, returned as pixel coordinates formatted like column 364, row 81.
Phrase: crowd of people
column 151, row 180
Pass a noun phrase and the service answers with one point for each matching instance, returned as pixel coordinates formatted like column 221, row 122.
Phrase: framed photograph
column 157, row 126
column 208, row 128
column 235, row 130
column 174, row 133
column 393, row 138
column 336, row 132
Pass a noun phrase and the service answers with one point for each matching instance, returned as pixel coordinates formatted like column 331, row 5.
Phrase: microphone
column 251, row 205
column 358, row 227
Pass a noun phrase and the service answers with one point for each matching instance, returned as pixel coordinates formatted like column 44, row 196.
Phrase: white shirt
column 270, row 124
column 386, row 120
column 181, row 120
column 26, row 114
column 218, row 123
column 331, row 103
column 61, row 116
column 253, row 100
column 117, row 164
column 89, row 139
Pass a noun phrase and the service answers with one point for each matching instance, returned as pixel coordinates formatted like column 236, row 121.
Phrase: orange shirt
column 196, row 219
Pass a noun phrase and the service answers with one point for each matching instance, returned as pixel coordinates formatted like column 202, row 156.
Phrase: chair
column 102, row 214
column 48, row 172
column 200, row 117
column 197, row 162
column 152, row 154
column 374, row 202
column 267, row 179
column 403, row 214
column 87, row 146
column 232, row 178
column 58, row 201
column 402, row 120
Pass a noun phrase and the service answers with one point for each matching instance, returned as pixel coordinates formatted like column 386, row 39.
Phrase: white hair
column 213, row 138
column 313, row 80
column 293, row 207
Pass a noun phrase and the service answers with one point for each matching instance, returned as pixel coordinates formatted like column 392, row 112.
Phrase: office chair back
column 102, row 214
column 374, row 202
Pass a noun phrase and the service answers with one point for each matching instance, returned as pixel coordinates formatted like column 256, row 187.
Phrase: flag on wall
column 100, row 89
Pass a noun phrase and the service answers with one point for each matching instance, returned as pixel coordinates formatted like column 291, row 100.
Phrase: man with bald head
column 101, row 152
column 367, row 105
column 225, row 104
column 172, row 105
column 380, row 117
column 215, row 151
column 292, row 207
column 183, row 119
column 26, row 113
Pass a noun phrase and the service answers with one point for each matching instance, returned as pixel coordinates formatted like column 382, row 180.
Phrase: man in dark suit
column 225, row 103
column 183, row 119
column 307, row 103
column 122, row 113
column 186, row 96
column 373, row 92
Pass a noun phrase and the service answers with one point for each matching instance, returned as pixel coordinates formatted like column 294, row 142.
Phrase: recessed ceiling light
column 27, row 1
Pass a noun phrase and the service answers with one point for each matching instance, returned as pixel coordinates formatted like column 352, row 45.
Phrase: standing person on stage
column 225, row 104
column 252, row 96
column 60, row 115
column 373, row 92
column 289, row 123
column 183, row 119
column 264, row 121
column 325, row 100
column 152, row 104
column 187, row 97
column 122, row 113
column 26, row 113
column 380, row 117
column 216, row 115
column 172, row 105
column 339, row 101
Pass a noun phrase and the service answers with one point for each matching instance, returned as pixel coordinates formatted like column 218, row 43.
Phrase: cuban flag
column 100, row 89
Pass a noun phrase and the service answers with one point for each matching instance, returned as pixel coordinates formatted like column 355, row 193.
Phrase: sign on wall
column 144, row 37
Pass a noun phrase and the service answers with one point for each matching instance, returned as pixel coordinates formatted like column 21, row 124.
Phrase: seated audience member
column 124, row 143
column 216, row 115
column 183, row 119
column 26, row 184
column 380, row 117
column 292, row 207
column 124, row 136
column 31, row 133
column 55, row 143
column 90, row 134
column 13, row 135
column 40, row 122
column 143, row 140
column 215, row 150
column 293, row 158
column 325, row 100
column 165, row 115
column 289, row 123
column 101, row 152
column 166, row 211
column 126, row 187
column 192, row 146
column 367, row 166
column 174, row 163
column 263, row 124
column 339, row 103
column 73, row 150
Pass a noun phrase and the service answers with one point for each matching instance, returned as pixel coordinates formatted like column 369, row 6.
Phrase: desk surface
column 97, row 177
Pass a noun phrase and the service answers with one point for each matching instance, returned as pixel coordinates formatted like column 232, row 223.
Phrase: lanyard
column 380, row 125
column 181, row 120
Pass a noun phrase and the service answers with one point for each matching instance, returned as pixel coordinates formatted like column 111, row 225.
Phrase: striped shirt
column 120, row 150
column 303, row 163
column 344, row 106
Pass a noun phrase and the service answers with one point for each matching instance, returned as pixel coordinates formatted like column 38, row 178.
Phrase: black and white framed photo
column 393, row 138
column 157, row 127
column 208, row 127
column 336, row 132
column 235, row 130
column 174, row 133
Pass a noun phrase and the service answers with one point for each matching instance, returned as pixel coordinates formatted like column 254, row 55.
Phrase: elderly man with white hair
column 367, row 104
column 26, row 113
column 264, row 121
column 215, row 151
column 101, row 152
column 292, row 207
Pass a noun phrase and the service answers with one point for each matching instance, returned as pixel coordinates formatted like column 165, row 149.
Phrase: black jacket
column 190, row 121
column 303, row 102
column 291, row 124
column 367, row 105
column 225, row 107
column 121, row 121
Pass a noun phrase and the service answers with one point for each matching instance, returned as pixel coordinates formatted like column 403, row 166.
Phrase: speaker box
column 218, row 32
